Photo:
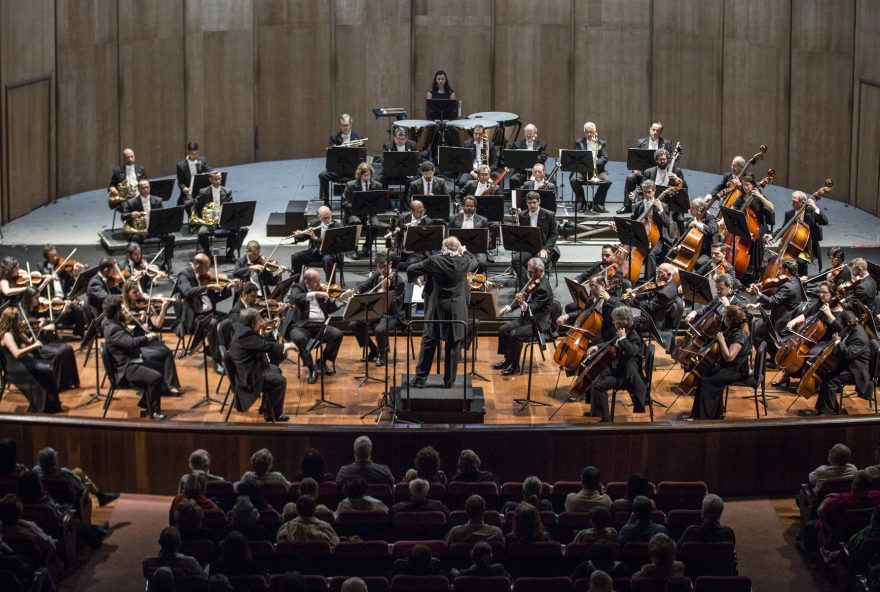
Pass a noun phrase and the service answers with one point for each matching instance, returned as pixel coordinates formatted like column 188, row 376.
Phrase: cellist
column 605, row 302
column 782, row 305
column 853, row 352
column 814, row 218
column 709, row 224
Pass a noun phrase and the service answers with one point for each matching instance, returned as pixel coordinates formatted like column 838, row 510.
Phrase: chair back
column 402, row 583
column 551, row 584
column 225, row 329
column 482, row 584
column 759, row 366
column 708, row 559
column 109, row 366
column 686, row 495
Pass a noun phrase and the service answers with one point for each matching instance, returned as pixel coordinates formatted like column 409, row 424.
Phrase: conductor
column 447, row 298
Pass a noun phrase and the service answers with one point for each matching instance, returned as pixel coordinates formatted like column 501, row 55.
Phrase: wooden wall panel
column 151, row 84
column 612, row 84
column 29, row 139
column 220, row 79
column 294, row 114
column 867, row 151
column 756, row 83
column 821, row 94
column 372, row 63
column 532, row 59
column 866, row 68
column 88, row 99
column 455, row 36
column 686, row 77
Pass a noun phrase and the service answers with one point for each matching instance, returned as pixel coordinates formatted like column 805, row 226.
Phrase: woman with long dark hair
column 33, row 374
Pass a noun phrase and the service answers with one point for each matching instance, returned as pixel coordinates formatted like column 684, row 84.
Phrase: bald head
column 451, row 245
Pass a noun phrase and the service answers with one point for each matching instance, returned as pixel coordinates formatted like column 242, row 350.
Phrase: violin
column 69, row 265
column 645, row 288
column 769, row 286
column 479, row 282
column 221, row 280
column 527, row 289
column 333, row 290
column 156, row 303
column 34, row 279
column 56, row 304
column 271, row 265
column 118, row 277
column 848, row 286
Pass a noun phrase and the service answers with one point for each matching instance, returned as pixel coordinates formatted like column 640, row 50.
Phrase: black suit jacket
column 783, row 303
column 725, row 178
column 540, row 304
column 403, row 223
column 540, row 146
column 659, row 304
column 119, row 174
column 661, row 143
column 249, row 352
column 479, row 221
column 438, row 187
column 192, row 291
column 547, row 224
column 183, row 176
column 661, row 219
column 315, row 244
column 123, row 347
column 336, row 139
column 299, row 310
column 242, row 271
column 66, row 278
column 447, row 293
column 629, row 349
column 652, row 172
column 397, row 308
column 409, row 146
column 470, row 188
column 134, row 205
column 356, row 185
column 601, row 154
column 531, row 185
column 855, row 349
column 205, row 197
column 493, row 155
column 97, row 291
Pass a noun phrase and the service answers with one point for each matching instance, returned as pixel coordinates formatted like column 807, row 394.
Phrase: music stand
column 82, row 283
column 520, row 239
column 680, row 203
column 91, row 338
column 548, row 198
column 165, row 221
column 423, row 238
column 576, row 161
column 442, row 109
column 519, row 159
column 366, row 307
column 639, row 159
column 340, row 240
column 738, row 226
column 491, row 207
column 279, row 292
column 483, row 307
column 162, row 188
column 452, row 159
column 632, row 232
column 400, row 164
column 475, row 240
column 237, row 214
column 436, row 206
column 343, row 160
column 202, row 180
column 366, row 205
column 700, row 288
column 578, row 292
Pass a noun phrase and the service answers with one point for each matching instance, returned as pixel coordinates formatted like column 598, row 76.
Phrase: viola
column 479, row 282
column 769, row 286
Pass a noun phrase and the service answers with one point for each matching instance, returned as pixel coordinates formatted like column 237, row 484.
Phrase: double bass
column 733, row 191
column 687, row 250
column 738, row 248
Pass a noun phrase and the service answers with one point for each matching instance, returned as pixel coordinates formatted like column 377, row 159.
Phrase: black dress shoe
column 624, row 210
column 328, row 370
column 106, row 498
column 599, row 209
column 417, row 382
column 158, row 415
column 510, row 370
column 781, row 383
column 372, row 355
column 501, row 365
column 380, row 361
column 282, row 417
column 313, row 376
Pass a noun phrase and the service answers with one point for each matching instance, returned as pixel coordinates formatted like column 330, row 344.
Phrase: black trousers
column 629, row 186
column 630, row 379
column 655, row 257
column 274, row 388
column 452, row 352
column 369, row 233
column 324, row 179
column 709, row 396
column 311, row 257
column 577, row 186
column 206, row 325
column 301, row 336
column 149, row 383
column 234, row 238
column 511, row 337
column 167, row 242
column 380, row 328
column 826, row 402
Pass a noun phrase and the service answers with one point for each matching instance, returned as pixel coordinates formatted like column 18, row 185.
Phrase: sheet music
column 417, row 294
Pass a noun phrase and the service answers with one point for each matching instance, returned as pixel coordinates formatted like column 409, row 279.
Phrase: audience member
column 305, row 527
column 363, row 465
column 420, row 562
column 427, row 467
column 245, row 518
column 254, row 491
column 308, row 486
column 181, row 565
column 854, row 545
column 11, row 511
column 32, row 493
column 199, row 460
column 49, row 467
column 484, row 565
column 235, row 557
column 292, row 581
column 188, row 517
column 354, row 585
column 261, row 470
column 475, row 530
column 603, row 557
column 590, row 494
column 162, row 581
column 640, row 527
column 9, row 466
column 636, row 485
column 601, row 582
column 838, row 466
column 835, row 505
column 710, row 531
column 219, row 583
column 468, row 469
column 663, row 565
column 418, row 500
column 312, row 467
column 24, row 570
column 531, row 491
column 601, row 527
column 194, row 489
column 356, row 499
column 527, row 527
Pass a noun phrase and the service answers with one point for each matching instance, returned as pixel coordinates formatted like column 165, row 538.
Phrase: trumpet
column 354, row 143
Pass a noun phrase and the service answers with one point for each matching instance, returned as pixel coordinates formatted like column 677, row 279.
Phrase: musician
column 125, row 351
column 201, row 292
column 782, row 305
column 539, row 179
column 535, row 302
column 764, row 211
column 363, row 182
column 248, row 297
column 599, row 177
column 384, row 279
column 853, row 351
column 815, row 219
column 653, row 141
column 659, row 217
column 865, row 290
column 415, row 217
column 715, row 263
column 537, row 217
column 217, row 195
column 140, row 206
column 103, row 284
column 447, row 297
column 252, row 267
column 345, row 135
column 659, row 303
column 440, row 88
column 478, row 143
column 64, row 280
column 312, row 254
column 255, row 362
column 399, row 143
column 724, row 296
column 194, row 164
column 625, row 372
column 662, row 176
column 736, row 168
column 529, row 142
column 135, row 264
column 469, row 218
column 482, row 185
column 156, row 355
column 734, row 346
column 310, row 308
column 41, row 390
column 604, row 299
column 9, row 274
column 427, row 184
column 129, row 171
column 599, row 267
column 838, row 260
column 708, row 225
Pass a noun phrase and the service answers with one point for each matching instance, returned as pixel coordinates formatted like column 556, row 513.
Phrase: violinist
column 312, row 254
column 733, row 365
column 140, row 206
column 64, row 279
column 659, row 217
column 136, row 266
column 248, row 297
column 815, row 219
column 782, row 305
column 534, row 310
column 202, row 291
column 605, row 301
column 723, row 295
column 380, row 280
column 763, row 209
column 252, row 267
column 853, row 351
column 839, row 272
column 138, row 310
column 625, row 372
column 469, row 218
column 715, row 263
column 415, row 217
column 105, row 283
column 39, row 386
column 863, row 287
column 311, row 306
column 125, row 351
column 537, row 217
column 9, row 275
column 600, row 267
column 659, row 300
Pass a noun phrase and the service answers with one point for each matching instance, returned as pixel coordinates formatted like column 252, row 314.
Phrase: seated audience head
column 169, row 540
column 10, row 509
column 243, row 512
column 531, row 488
column 642, row 507
column 636, row 485
column 713, row 507
column 475, row 507
column 253, row 490
column 861, row 483
column 305, row 506
column 601, row 518
column 195, row 485
column 8, row 454
column 427, row 462
column 219, row 583
column 420, row 555
column 354, row 585
column 468, row 461
column 262, row 461
column 312, row 465
column 30, row 487
column 48, row 459
column 188, row 515
column 661, row 548
column 481, row 553
column 590, row 477
column 839, row 455
column 527, row 524
column 234, row 548
column 162, row 580
column 292, row 581
column 363, row 449
column 418, row 489
column 355, row 487
column 308, row 486
column 200, row 460
column 601, row 582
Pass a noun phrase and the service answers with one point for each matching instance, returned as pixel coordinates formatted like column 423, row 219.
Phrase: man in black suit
column 99, row 288
column 381, row 280
column 469, row 218
column 539, row 180
column 415, row 217
column 130, row 172
column 427, row 184
column 715, row 264
column 605, row 302
column 400, row 143
column 529, row 142
column 217, row 195
column 363, row 182
column 247, row 268
column 783, row 306
column 537, row 217
column 478, row 144
column 194, row 164
column 662, row 176
column 854, row 351
column 815, row 219
column 625, row 371
column 660, row 218
column 598, row 176
column 480, row 186
column 866, row 289
column 310, row 308
column 125, row 351
column 653, row 141
column 344, row 135
column 251, row 354
column 139, row 207
column 447, row 296
column 534, row 316
column 659, row 304
column 312, row 254
column 736, row 168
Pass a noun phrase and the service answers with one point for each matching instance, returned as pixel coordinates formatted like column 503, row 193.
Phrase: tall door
column 867, row 181
column 28, row 148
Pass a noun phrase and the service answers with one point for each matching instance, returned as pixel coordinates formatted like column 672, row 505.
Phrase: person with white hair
column 534, row 304
column 530, row 141
column 815, row 219
column 597, row 176
column 363, row 465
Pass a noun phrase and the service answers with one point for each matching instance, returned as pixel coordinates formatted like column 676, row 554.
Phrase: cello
column 794, row 351
column 699, row 334
column 738, row 248
column 591, row 368
column 706, row 359
column 687, row 250
column 573, row 349
column 824, row 364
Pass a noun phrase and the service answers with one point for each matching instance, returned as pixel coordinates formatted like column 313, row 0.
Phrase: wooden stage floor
column 343, row 388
